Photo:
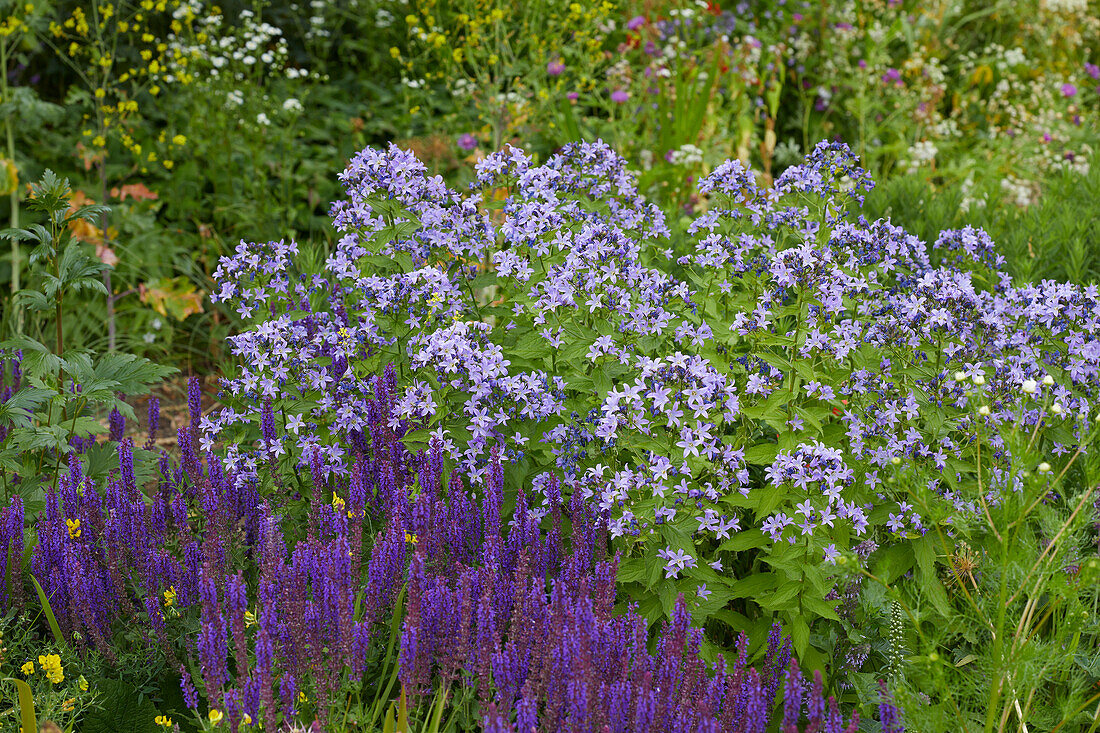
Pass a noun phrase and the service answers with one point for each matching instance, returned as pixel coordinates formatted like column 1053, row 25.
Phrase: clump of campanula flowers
column 775, row 384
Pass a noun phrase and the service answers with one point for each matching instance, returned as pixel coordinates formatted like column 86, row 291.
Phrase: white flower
column 1048, row 380
column 157, row 324
column 978, row 379
column 1029, row 386
column 983, row 410
column 292, row 105
column 960, row 376
column 1044, row 467
column 262, row 119
column 149, row 338
column 1056, row 408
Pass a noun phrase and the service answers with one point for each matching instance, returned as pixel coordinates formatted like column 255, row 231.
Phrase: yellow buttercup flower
column 216, row 716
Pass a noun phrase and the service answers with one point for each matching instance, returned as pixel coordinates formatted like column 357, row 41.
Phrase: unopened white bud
column 978, row 379
column 1044, row 467
column 960, row 376
column 1029, row 386
column 983, row 410
column 1048, row 380
column 1056, row 408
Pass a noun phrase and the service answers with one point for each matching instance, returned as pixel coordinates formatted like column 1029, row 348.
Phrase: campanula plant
column 741, row 408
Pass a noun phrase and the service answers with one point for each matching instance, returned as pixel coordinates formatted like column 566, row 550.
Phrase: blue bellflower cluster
column 550, row 316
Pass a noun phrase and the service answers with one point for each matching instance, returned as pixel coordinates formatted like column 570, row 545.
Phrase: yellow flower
column 179, row 140
column 337, row 502
column 69, row 705
column 74, row 528
column 83, row 683
column 170, row 597
column 100, row 93
column 302, row 697
column 168, row 164
column 249, row 619
column 216, row 716
column 411, row 538
column 51, row 664
column 163, row 720
column 27, row 669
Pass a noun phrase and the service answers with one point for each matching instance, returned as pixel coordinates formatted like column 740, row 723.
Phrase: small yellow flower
column 216, row 716
column 83, row 683
column 179, row 140
column 411, row 538
column 170, row 597
column 164, row 721
column 51, row 664
column 168, row 164
column 74, row 528
column 337, row 503
column 69, row 705
column 302, row 697
column 27, row 669
column 249, row 619
column 100, row 93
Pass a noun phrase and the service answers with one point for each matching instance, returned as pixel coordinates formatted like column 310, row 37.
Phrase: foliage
column 52, row 393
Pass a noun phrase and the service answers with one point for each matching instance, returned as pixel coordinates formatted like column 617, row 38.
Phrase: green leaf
column 121, row 707
column 133, row 373
column 754, row 586
column 762, row 454
column 27, row 716
column 55, row 629
column 925, row 554
column 800, row 634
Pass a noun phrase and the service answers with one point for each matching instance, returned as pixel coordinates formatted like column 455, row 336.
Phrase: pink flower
column 1069, row 90
column 555, row 68
column 635, row 23
column 619, row 96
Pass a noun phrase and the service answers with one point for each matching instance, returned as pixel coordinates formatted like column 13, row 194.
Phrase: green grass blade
column 27, row 717
column 58, row 637
column 395, row 626
column 438, row 704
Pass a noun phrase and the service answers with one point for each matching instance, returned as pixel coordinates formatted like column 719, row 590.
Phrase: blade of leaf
column 27, row 715
column 46, row 609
